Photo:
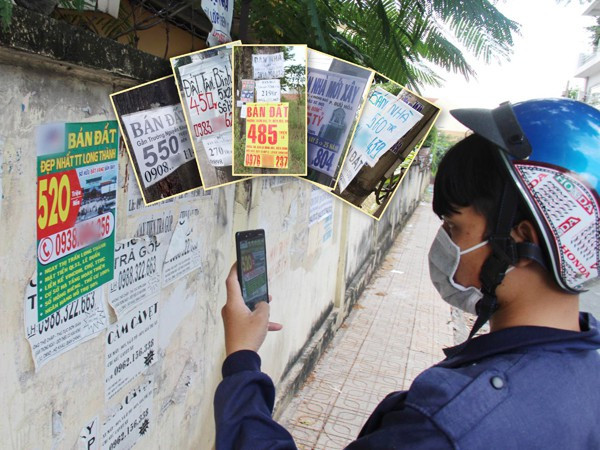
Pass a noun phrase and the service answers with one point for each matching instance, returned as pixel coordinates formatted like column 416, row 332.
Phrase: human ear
column 525, row 231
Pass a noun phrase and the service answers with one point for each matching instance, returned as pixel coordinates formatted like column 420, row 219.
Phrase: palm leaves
column 402, row 39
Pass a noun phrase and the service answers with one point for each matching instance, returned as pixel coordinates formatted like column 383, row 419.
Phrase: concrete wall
column 316, row 273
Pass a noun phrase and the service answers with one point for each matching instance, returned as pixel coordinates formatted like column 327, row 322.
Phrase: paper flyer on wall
column 247, row 94
column 206, row 87
column 220, row 14
column 160, row 141
column 76, row 205
column 131, row 347
column 131, row 419
column 321, row 206
column 183, row 254
column 67, row 327
column 88, row 436
column 267, row 135
column 268, row 91
column 385, row 119
column 268, row 66
column 333, row 100
column 138, row 265
column 218, row 148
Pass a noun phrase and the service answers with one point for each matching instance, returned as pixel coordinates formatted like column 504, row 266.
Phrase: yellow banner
column 267, row 135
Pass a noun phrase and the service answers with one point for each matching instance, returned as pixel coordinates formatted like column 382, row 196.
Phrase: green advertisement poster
column 77, row 171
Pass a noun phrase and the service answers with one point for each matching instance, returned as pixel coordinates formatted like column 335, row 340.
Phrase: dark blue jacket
column 518, row 388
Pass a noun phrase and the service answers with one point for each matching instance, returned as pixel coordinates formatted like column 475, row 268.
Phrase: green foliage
column 295, row 78
column 595, row 33
column 6, row 8
column 440, row 143
column 572, row 93
column 398, row 38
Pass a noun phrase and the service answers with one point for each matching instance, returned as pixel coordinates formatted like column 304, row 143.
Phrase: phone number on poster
column 136, row 273
column 75, row 238
column 141, row 422
column 134, row 356
column 80, row 306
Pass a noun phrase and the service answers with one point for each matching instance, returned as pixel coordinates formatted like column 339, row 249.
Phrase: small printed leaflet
column 138, row 266
column 268, row 66
column 267, row 135
column 76, row 203
column 411, row 99
column 354, row 162
column 88, row 436
column 184, row 253
column 220, row 14
column 160, row 141
column 247, row 94
column 321, row 206
column 131, row 419
column 218, row 148
column 67, row 327
column 131, row 347
column 268, row 91
column 385, row 119
column 206, row 86
column 333, row 99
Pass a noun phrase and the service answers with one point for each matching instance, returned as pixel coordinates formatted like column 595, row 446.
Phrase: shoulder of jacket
column 456, row 399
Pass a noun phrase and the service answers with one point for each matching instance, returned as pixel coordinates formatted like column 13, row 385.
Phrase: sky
column 544, row 59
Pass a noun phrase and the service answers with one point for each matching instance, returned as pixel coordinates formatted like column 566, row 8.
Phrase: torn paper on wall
column 131, row 420
column 184, row 253
column 88, row 436
column 218, row 148
column 152, row 223
column 321, row 206
column 74, row 323
column 138, row 265
column 131, row 347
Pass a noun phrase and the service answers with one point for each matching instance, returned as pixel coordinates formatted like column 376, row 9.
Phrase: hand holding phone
column 244, row 330
column 252, row 266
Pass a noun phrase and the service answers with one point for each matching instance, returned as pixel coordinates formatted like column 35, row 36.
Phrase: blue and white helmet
column 551, row 148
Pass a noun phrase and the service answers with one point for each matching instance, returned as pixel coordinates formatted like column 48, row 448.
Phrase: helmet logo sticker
column 572, row 214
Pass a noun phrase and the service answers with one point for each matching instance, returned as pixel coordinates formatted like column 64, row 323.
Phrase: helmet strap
column 504, row 254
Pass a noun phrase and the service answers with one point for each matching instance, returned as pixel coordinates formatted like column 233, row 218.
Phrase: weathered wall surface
column 318, row 263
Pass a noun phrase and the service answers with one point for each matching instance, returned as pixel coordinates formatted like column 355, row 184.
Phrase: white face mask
column 444, row 257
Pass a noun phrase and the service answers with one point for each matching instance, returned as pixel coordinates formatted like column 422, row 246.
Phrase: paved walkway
column 397, row 329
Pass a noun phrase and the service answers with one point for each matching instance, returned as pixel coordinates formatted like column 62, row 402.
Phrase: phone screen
column 253, row 265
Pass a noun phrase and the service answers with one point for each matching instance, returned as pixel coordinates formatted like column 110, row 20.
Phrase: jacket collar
column 523, row 339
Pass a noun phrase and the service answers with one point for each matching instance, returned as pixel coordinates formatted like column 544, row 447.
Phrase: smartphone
column 252, row 266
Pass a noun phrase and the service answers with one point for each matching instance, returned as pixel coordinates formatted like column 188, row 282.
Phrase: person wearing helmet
column 519, row 241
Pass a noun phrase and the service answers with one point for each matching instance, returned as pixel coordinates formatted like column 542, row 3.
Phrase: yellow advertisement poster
column 267, row 135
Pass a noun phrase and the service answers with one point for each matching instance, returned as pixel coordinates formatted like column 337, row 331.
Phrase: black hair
column 472, row 174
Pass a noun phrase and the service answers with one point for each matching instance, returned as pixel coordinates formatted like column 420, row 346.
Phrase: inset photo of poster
column 157, row 139
column 204, row 81
column 336, row 92
column 269, row 115
column 393, row 125
column 77, row 171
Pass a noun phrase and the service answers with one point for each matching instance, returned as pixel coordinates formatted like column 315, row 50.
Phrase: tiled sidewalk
column 397, row 329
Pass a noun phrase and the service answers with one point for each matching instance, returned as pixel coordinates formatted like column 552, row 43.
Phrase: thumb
column 234, row 291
